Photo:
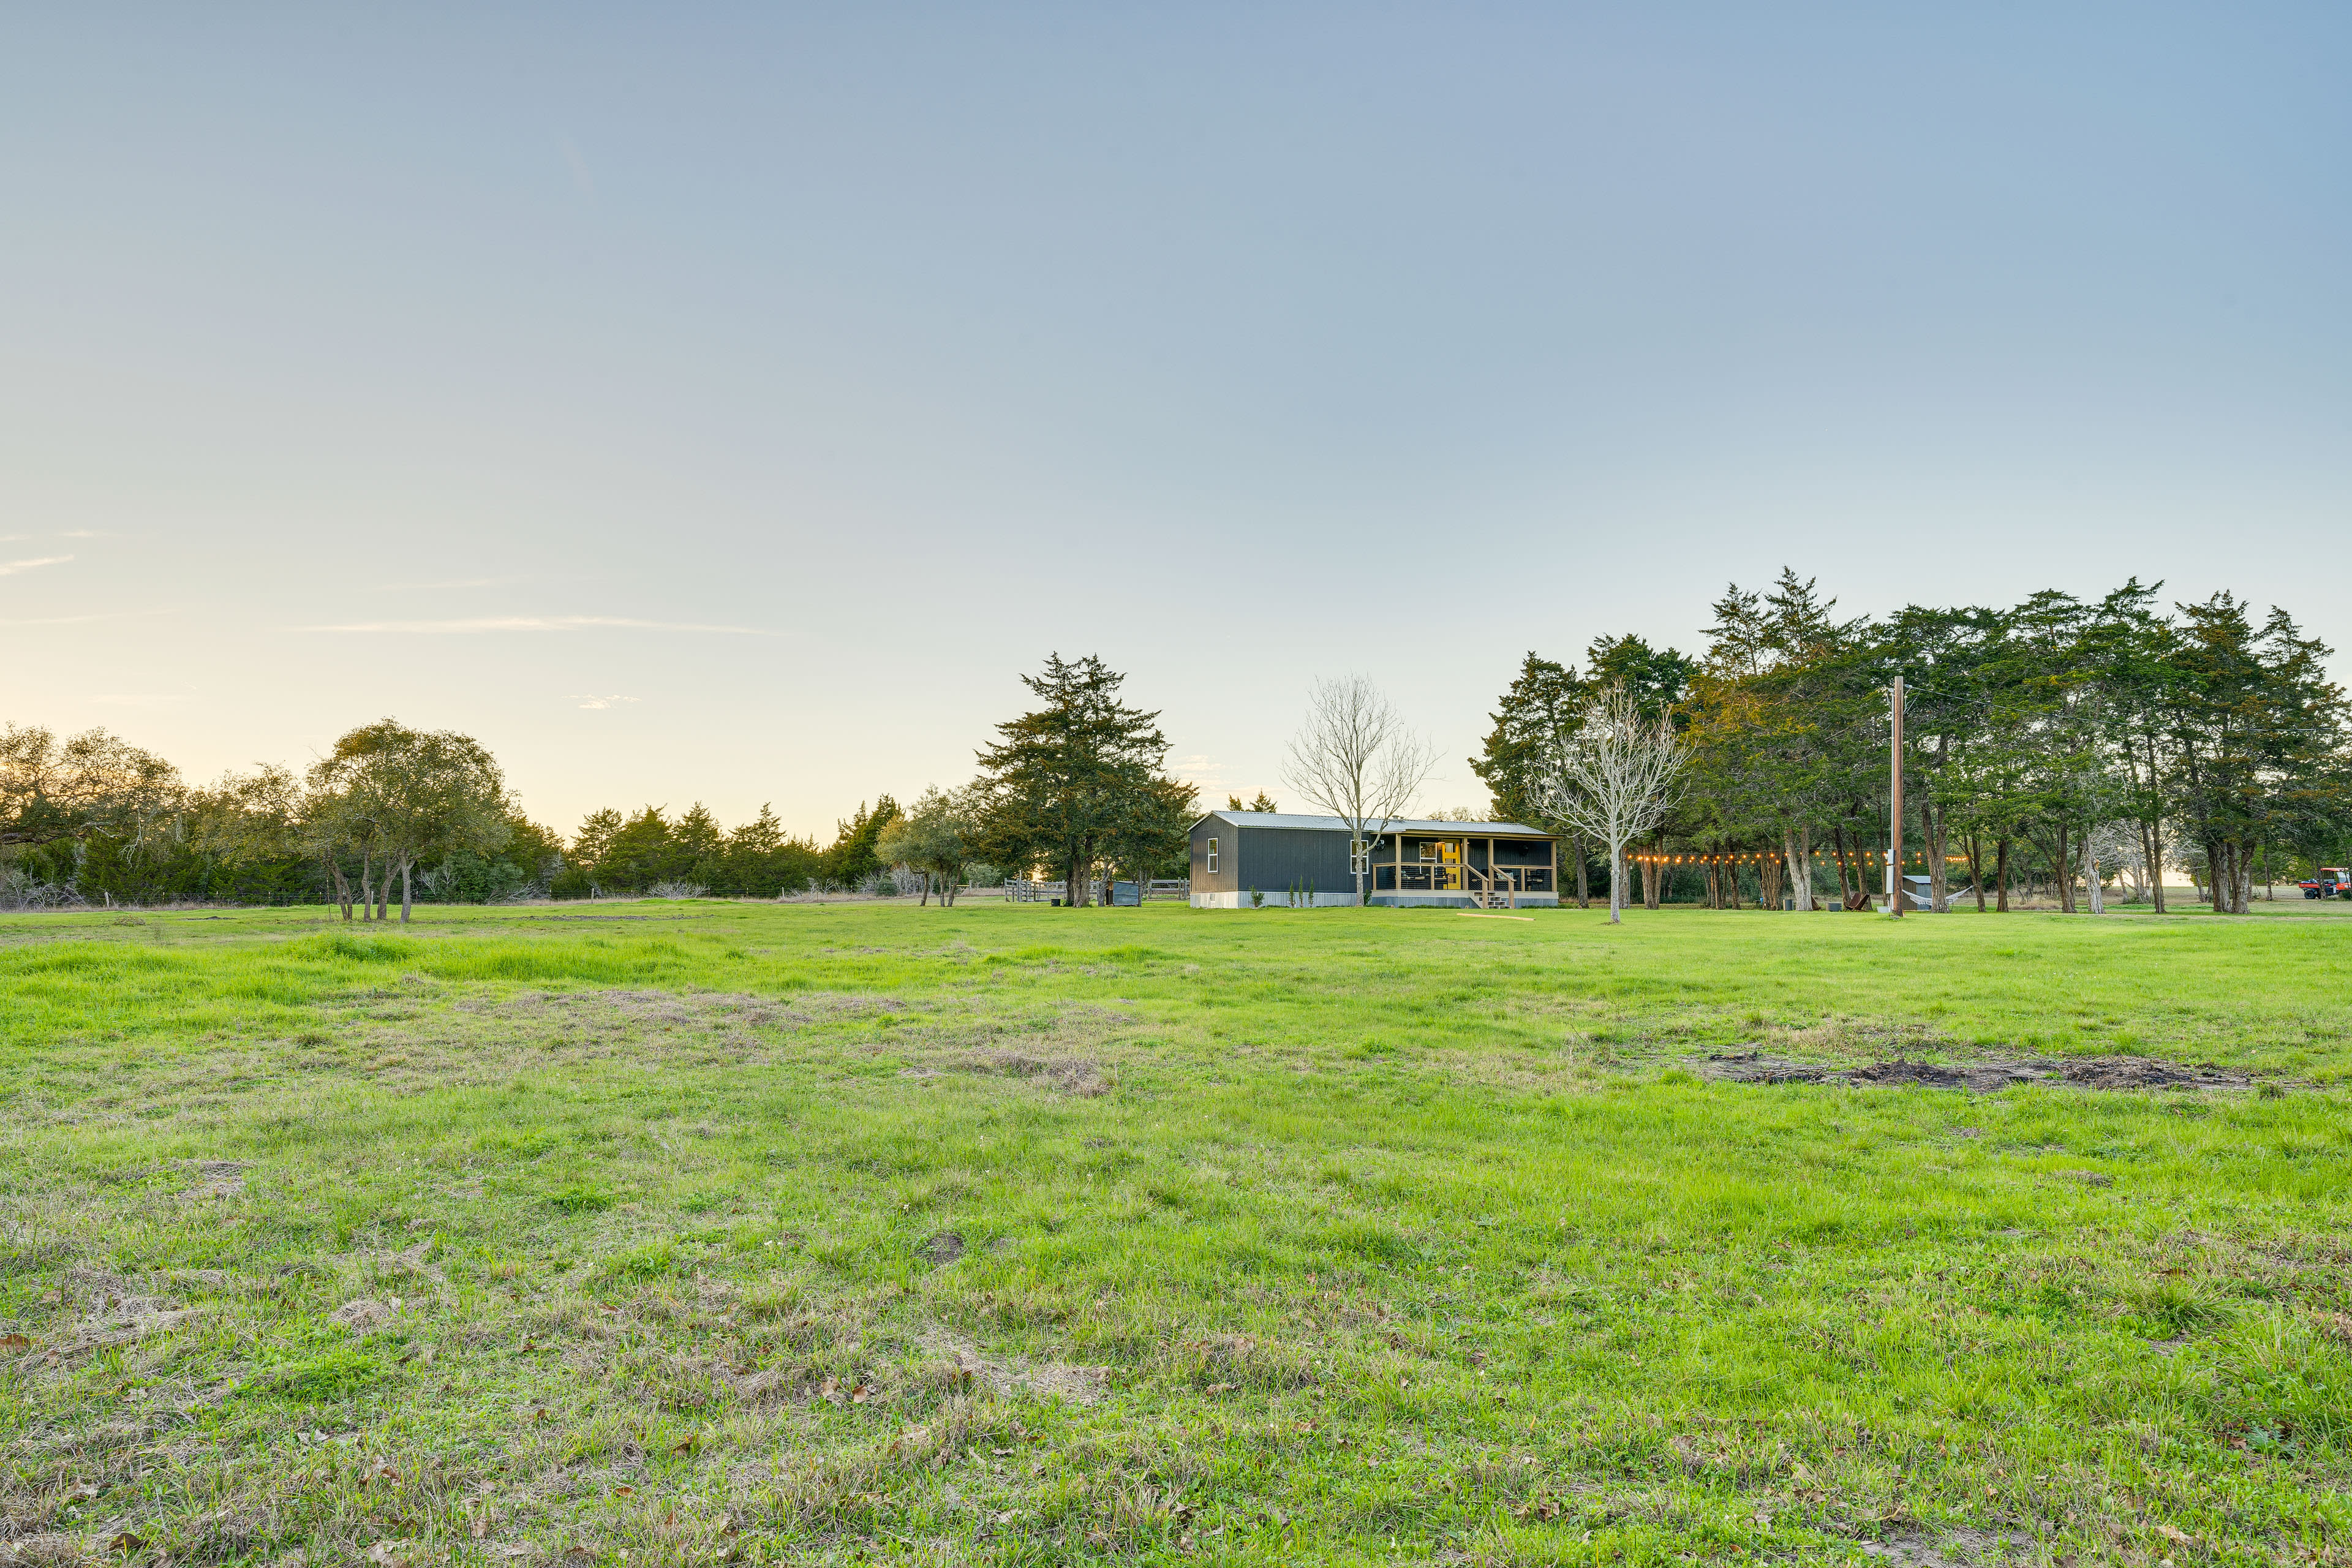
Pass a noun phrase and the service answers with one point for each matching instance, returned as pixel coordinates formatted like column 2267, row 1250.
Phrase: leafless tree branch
column 1614, row 779
column 1355, row 759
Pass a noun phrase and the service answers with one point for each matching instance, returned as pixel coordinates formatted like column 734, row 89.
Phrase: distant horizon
column 729, row 406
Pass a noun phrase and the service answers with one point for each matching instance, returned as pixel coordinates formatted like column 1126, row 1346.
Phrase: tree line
column 2050, row 744
column 91, row 818
column 2058, row 742
column 396, row 815
column 1077, row 786
column 391, row 815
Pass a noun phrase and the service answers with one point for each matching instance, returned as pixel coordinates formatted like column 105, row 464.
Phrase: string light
column 1765, row 858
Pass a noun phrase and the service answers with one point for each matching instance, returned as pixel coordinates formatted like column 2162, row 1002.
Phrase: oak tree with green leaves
column 93, row 785
column 395, row 796
column 936, row 838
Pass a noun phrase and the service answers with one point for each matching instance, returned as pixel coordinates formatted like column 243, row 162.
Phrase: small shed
column 1276, row 860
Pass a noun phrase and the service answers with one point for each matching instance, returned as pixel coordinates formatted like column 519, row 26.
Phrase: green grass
column 858, row 1233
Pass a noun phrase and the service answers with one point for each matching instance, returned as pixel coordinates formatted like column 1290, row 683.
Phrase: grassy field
column 687, row 1233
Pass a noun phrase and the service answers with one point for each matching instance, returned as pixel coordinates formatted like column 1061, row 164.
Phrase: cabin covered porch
column 1474, row 869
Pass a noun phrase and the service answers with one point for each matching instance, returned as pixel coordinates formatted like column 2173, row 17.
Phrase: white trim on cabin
column 1276, row 898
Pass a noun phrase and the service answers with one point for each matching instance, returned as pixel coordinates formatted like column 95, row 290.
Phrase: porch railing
column 1504, row 884
column 1440, row 876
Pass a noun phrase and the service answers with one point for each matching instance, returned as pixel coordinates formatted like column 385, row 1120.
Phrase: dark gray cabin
column 1278, row 859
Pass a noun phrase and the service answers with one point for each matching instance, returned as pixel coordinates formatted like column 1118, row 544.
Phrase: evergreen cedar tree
column 615, row 855
column 1547, row 704
column 1544, row 703
column 1077, row 783
column 758, row 859
column 852, row 859
column 1264, row 801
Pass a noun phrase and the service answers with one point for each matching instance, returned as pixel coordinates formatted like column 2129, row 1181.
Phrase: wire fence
column 1102, row 890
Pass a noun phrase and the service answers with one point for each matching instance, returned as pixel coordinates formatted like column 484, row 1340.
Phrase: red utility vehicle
column 2332, row 882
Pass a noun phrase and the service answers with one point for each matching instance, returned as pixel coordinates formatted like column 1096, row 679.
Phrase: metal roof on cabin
column 1397, row 824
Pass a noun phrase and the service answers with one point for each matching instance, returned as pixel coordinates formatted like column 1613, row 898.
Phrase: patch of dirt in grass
column 1070, row 1384
column 113, row 1316
column 363, row 1315
column 2137, row 1072
column 704, row 1010
column 215, row 1279
column 483, row 1038
column 719, row 1009
column 473, row 1037
column 1977, row 1077
column 408, row 1265
column 1922, row 1551
column 221, row 1178
column 1071, row 1074
column 1069, row 1045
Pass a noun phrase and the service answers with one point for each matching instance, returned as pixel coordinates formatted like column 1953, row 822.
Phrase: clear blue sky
column 802, row 376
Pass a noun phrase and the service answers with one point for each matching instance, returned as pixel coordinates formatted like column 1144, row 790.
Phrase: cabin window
column 1213, row 856
column 1429, row 851
column 1360, row 857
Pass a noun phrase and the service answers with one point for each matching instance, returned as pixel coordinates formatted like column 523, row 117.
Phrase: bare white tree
column 2117, row 844
column 1614, row 779
column 1355, row 759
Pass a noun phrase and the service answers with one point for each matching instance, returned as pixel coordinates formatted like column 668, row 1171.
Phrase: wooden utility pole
column 1895, row 814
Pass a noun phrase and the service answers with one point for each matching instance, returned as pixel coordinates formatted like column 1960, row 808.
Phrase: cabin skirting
column 1276, row 898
